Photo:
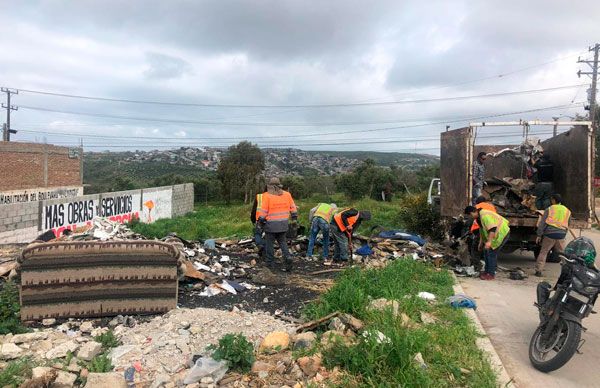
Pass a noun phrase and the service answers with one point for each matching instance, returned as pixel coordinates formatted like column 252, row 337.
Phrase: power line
column 309, row 134
column 337, row 105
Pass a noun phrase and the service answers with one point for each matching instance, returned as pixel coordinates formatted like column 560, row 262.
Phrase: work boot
column 287, row 267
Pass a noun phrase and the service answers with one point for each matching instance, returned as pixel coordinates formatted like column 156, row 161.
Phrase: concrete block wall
column 22, row 222
column 19, row 222
column 183, row 199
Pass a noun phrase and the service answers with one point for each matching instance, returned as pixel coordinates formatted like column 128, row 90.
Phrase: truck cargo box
column 572, row 153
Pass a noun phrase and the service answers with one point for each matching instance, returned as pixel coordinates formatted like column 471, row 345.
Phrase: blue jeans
column 490, row 257
column 318, row 224
column 341, row 244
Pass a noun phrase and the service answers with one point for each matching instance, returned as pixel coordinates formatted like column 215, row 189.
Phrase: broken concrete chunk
column 86, row 327
column 418, row 359
column 10, row 351
column 64, row 380
column 62, row 350
column 48, row 321
column 383, row 304
column 89, row 350
column 105, row 380
column 29, row 337
column 337, row 324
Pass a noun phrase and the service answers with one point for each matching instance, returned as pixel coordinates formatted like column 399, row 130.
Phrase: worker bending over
column 493, row 231
column 319, row 218
column 552, row 230
column 342, row 226
column 277, row 208
column 476, row 254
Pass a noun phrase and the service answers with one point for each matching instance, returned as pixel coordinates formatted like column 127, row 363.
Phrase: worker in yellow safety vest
column 494, row 231
column 552, row 230
column 319, row 219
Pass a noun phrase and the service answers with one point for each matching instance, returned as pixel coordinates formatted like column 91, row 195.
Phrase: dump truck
column 572, row 154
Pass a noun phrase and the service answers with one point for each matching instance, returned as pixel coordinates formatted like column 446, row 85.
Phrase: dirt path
column 506, row 310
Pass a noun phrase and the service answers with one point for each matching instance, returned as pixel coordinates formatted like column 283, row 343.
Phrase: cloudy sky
column 262, row 70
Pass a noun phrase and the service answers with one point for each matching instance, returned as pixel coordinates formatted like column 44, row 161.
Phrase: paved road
column 505, row 308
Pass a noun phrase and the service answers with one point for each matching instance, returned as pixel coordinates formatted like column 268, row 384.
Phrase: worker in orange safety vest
column 277, row 208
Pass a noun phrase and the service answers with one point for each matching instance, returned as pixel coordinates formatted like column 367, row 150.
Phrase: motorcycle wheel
column 558, row 350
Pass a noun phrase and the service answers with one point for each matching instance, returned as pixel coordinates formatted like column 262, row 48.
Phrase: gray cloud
column 287, row 52
column 161, row 66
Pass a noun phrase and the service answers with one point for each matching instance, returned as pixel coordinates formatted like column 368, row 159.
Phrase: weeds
column 108, row 340
column 10, row 310
column 446, row 347
column 235, row 349
column 99, row 364
column 417, row 216
column 15, row 372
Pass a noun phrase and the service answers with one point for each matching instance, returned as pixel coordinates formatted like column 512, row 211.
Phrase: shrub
column 235, row 349
column 416, row 216
column 99, row 364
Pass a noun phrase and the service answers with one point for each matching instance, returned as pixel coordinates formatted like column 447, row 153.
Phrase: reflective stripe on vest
column 490, row 220
column 277, row 207
column 558, row 216
column 340, row 223
column 485, row 206
column 325, row 211
column 259, row 200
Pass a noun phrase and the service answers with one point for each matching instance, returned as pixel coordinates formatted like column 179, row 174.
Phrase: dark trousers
column 490, row 256
column 270, row 239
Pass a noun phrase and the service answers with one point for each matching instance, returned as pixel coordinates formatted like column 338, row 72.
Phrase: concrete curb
column 484, row 343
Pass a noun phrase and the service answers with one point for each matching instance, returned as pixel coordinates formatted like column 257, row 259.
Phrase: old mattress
column 97, row 278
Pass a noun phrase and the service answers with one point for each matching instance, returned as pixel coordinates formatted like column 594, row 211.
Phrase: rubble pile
column 511, row 195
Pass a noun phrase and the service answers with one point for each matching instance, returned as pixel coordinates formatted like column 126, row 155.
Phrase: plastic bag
column 205, row 367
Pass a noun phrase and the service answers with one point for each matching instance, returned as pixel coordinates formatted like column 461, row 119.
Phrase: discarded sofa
column 97, row 279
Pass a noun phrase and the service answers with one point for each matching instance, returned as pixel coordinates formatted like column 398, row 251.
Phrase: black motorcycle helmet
column 582, row 247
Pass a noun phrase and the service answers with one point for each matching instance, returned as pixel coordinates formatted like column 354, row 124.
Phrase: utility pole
column 594, row 75
column 555, row 132
column 7, row 129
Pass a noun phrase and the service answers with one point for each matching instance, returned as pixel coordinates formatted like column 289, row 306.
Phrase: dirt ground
column 286, row 298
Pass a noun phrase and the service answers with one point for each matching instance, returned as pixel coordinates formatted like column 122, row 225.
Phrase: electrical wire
column 320, row 134
column 336, row 105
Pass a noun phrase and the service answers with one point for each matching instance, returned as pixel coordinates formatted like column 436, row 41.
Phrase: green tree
column 123, row 183
column 239, row 171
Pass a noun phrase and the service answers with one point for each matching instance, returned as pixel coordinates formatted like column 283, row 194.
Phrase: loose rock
column 62, row 350
column 305, row 340
column 89, row 350
column 10, row 351
column 105, row 380
column 310, row 365
column 275, row 341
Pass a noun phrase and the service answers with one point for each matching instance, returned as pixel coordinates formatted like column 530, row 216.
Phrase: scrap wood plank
column 192, row 272
column 316, row 323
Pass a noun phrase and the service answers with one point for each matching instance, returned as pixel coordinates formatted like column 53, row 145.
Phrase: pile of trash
column 511, row 195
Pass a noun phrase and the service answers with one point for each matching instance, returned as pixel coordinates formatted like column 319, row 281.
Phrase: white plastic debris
column 206, row 367
column 211, row 290
column 377, row 336
column 227, row 287
column 426, row 295
column 420, row 361
column 190, row 252
column 201, row 267
column 224, row 259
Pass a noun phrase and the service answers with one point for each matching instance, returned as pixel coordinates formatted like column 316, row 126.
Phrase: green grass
column 446, row 346
column 222, row 220
column 16, row 372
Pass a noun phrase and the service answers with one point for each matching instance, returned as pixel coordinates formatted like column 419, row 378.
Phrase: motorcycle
column 563, row 307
